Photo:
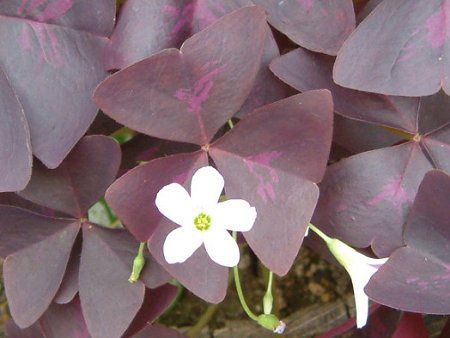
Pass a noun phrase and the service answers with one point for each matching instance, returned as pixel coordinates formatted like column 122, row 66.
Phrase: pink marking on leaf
column 199, row 95
column 206, row 15
column 22, row 6
column 438, row 26
column 393, row 192
column 306, row 4
column 265, row 188
column 185, row 21
column 172, row 10
column 47, row 36
column 55, row 10
column 35, row 4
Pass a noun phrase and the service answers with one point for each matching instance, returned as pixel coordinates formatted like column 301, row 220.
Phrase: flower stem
column 320, row 233
column 230, row 124
column 268, row 297
column 237, row 282
column 138, row 264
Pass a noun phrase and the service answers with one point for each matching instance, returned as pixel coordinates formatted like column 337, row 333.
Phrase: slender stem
column 203, row 321
column 268, row 297
column 319, row 233
column 230, row 124
column 237, row 282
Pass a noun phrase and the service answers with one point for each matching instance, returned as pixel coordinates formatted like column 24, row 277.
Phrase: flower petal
column 180, row 244
column 174, row 202
column 206, row 186
column 221, row 247
column 235, row 214
column 360, row 275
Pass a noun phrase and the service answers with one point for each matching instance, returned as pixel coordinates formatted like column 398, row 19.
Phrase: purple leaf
column 158, row 331
column 77, row 183
column 365, row 199
column 15, row 149
column 13, row 331
column 194, row 87
column 64, row 321
column 417, row 277
column 411, row 325
column 305, row 70
column 69, row 284
column 109, row 301
column 321, row 26
column 30, row 290
column 156, row 301
column 146, row 27
column 382, row 323
column 132, row 196
column 52, row 58
column 406, row 56
column 277, row 170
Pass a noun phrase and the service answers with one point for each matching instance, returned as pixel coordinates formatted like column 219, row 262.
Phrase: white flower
column 360, row 268
column 203, row 220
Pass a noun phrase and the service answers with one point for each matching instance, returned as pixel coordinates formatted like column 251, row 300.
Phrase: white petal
column 236, row 215
column 206, row 186
column 180, row 244
column 221, row 247
column 174, row 202
column 360, row 275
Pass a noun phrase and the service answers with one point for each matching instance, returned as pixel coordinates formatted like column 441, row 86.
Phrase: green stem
column 268, row 297
column 230, row 124
column 320, row 233
column 237, row 282
column 138, row 264
column 203, row 321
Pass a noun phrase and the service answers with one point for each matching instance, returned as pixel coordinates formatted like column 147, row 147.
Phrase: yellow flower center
column 202, row 222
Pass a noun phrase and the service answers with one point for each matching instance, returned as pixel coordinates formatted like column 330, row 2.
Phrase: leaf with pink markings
column 15, row 148
column 280, row 163
column 146, row 27
column 52, row 55
column 365, row 199
column 406, row 56
column 417, row 277
column 199, row 87
column 321, row 26
column 305, row 70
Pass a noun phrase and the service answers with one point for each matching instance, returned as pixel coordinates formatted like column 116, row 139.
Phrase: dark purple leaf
column 382, row 323
column 305, row 70
column 156, row 301
column 146, row 27
column 402, row 56
column 417, row 277
column 321, row 26
column 64, row 321
column 15, row 148
column 69, row 284
column 158, row 331
column 30, row 240
column 446, row 330
column 357, row 136
column 365, row 199
column 78, row 182
column 411, row 325
column 277, row 169
column 109, row 301
column 13, row 331
column 199, row 87
column 132, row 196
column 52, row 55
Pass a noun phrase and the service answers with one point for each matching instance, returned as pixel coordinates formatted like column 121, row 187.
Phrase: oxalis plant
column 205, row 146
